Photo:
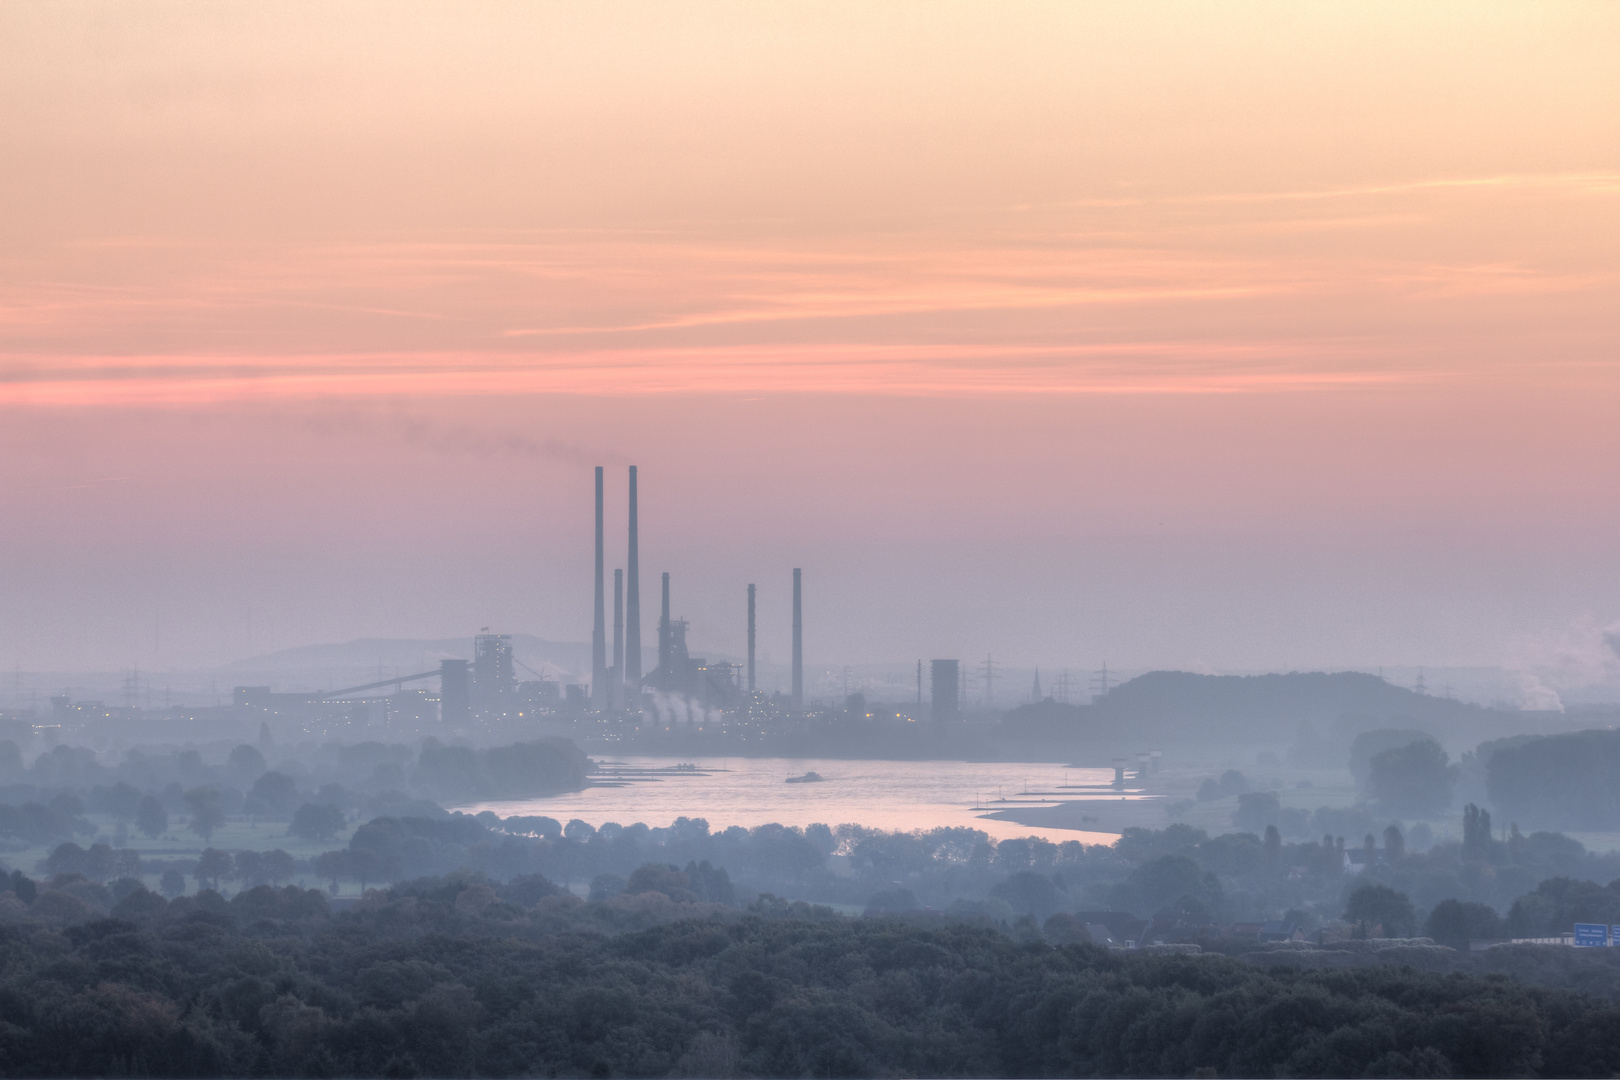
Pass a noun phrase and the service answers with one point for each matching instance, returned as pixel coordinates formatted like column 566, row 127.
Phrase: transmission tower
column 989, row 682
column 1100, row 682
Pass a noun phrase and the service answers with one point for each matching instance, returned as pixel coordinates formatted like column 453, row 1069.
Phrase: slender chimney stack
column 616, row 682
column 632, row 599
column 750, row 639
column 664, row 675
column 798, row 643
column 599, row 695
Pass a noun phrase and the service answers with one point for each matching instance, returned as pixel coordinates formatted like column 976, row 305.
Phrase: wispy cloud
column 939, row 370
column 1210, row 293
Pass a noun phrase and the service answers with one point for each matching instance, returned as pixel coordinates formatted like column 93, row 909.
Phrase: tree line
column 459, row 976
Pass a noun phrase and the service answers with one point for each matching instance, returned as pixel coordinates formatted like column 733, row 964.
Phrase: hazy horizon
column 1184, row 337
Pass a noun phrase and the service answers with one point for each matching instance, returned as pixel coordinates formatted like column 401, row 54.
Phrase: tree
column 1175, row 883
column 151, row 818
column 213, row 866
column 207, row 811
column 1556, row 781
column 277, row 866
column 272, row 795
column 317, row 821
column 24, row 886
column 709, row 882
column 246, row 762
column 1373, row 907
column 68, row 858
column 248, row 868
column 367, row 866
column 653, row 877
column 1477, row 841
column 1029, row 893
column 1394, row 845
column 1456, row 923
column 1369, row 744
column 98, row 863
column 1256, row 810
column 121, row 800
column 173, row 883
column 355, row 864
column 1414, row 779
column 263, row 867
column 333, row 865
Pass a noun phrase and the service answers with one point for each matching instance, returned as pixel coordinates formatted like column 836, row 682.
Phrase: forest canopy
column 462, row 977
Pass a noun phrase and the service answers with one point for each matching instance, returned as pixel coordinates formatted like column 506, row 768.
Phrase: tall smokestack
column 617, row 680
column 750, row 639
column 664, row 674
column 632, row 599
column 798, row 643
column 599, row 696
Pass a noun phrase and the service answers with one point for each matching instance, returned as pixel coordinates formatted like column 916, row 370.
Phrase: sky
column 1241, row 336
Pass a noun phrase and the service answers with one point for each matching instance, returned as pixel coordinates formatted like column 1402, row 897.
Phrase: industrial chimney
column 798, row 643
column 599, row 695
column 616, row 682
column 632, row 599
column 750, row 639
column 664, row 650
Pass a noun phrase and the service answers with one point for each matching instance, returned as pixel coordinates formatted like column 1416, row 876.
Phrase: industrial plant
column 493, row 694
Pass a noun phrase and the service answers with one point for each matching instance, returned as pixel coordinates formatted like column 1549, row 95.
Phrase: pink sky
column 1241, row 335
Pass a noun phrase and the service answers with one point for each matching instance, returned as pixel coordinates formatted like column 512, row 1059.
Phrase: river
column 891, row 795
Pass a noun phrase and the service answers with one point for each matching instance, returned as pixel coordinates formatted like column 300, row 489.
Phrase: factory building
column 712, row 685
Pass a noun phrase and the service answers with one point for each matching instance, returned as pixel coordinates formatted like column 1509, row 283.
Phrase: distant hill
column 1179, row 704
column 1177, row 708
column 326, row 666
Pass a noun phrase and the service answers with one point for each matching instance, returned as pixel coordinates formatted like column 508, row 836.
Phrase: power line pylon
column 1100, row 682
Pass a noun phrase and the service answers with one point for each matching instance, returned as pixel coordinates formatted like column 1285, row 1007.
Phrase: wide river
column 893, row 795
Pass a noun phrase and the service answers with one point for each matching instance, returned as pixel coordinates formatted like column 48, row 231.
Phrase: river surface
column 893, row 795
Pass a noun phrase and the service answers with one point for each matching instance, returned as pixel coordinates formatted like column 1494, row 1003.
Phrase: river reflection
column 893, row 795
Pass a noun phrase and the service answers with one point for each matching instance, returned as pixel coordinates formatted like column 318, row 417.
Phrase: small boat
column 807, row 778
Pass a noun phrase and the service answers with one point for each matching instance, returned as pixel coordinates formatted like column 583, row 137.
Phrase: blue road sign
column 1589, row 934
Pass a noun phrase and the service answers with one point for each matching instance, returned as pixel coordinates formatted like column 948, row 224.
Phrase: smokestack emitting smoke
column 750, row 639
column 632, row 619
column 617, row 692
column 798, row 644
column 599, row 631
